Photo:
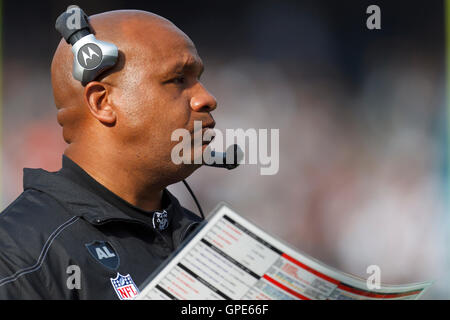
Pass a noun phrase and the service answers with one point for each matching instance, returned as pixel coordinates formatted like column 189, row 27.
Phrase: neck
column 138, row 188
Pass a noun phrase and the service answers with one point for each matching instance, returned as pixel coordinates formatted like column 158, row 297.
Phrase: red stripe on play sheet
column 376, row 295
column 315, row 272
column 348, row 288
column 282, row 286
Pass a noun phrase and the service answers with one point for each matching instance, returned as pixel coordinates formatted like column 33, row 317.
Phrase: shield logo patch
column 125, row 287
column 104, row 253
column 160, row 220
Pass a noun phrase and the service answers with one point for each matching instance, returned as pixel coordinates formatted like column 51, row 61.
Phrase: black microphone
column 219, row 159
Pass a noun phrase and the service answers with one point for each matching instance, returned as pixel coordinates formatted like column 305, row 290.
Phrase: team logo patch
column 125, row 287
column 90, row 56
column 104, row 253
column 160, row 220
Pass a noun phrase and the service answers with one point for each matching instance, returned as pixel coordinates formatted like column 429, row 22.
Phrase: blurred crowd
column 362, row 150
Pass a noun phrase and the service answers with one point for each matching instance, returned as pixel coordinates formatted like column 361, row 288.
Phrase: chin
column 182, row 172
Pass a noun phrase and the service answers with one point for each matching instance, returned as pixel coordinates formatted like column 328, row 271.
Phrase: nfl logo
column 125, row 287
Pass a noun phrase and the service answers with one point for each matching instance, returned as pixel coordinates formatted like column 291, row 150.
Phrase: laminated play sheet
column 230, row 258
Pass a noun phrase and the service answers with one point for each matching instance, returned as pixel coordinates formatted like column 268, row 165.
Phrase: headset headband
column 91, row 56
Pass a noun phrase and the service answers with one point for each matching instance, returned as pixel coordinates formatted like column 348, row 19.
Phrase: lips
column 210, row 125
column 205, row 126
column 205, row 130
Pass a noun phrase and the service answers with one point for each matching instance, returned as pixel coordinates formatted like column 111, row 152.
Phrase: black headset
column 91, row 57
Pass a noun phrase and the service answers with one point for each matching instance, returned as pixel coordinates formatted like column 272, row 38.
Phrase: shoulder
column 27, row 226
column 33, row 209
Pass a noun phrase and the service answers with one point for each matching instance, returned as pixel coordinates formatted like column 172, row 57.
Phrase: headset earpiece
column 91, row 56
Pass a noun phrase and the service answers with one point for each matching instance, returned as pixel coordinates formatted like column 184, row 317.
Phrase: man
column 97, row 228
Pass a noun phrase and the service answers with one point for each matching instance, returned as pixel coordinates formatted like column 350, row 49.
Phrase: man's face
column 161, row 92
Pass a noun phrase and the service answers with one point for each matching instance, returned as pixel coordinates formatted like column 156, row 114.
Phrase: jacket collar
column 93, row 208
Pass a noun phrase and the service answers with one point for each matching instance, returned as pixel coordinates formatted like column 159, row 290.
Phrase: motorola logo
column 90, row 56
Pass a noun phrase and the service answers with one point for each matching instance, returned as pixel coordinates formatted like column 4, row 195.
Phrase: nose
column 202, row 100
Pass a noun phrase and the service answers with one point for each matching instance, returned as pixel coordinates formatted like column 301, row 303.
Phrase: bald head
column 124, row 120
column 141, row 37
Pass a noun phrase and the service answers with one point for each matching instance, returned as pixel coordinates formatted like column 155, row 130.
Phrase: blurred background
column 361, row 114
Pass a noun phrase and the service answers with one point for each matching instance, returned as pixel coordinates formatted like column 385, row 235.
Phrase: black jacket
column 58, row 240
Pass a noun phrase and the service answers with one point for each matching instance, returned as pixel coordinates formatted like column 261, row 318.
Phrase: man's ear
column 96, row 95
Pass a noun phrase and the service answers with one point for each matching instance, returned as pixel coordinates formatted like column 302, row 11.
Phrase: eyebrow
column 191, row 64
